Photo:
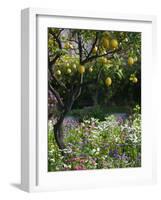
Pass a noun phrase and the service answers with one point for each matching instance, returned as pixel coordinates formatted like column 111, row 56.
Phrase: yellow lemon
column 108, row 81
column 58, row 72
column 81, row 69
column 103, row 60
column 109, row 61
column 69, row 71
column 66, row 46
column 68, row 64
column 114, row 43
column 74, row 66
column 95, row 49
column 130, row 61
column 71, row 46
column 91, row 69
column 135, row 59
column 106, row 34
column 106, row 43
column 135, row 80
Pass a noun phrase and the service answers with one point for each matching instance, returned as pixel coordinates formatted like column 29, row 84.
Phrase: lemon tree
column 78, row 59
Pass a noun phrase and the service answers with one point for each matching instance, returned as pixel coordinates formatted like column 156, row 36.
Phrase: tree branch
column 55, row 80
column 56, row 94
column 78, row 91
column 56, row 37
column 79, row 46
column 109, row 54
column 52, row 62
column 72, row 40
column 84, row 49
column 93, row 45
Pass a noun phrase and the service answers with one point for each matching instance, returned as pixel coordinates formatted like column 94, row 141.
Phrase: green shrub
column 98, row 112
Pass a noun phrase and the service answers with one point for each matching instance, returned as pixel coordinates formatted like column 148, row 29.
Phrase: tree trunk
column 59, row 134
column 58, row 127
column 95, row 97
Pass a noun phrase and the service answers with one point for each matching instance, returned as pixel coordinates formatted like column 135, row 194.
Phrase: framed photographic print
column 87, row 113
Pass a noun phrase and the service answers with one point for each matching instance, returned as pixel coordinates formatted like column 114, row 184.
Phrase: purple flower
column 114, row 153
column 70, row 123
column 120, row 120
column 123, row 157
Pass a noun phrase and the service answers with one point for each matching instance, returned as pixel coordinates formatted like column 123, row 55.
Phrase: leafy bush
column 95, row 144
column 98, row 112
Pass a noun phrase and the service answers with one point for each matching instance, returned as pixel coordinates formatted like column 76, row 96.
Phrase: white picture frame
column 34, row 176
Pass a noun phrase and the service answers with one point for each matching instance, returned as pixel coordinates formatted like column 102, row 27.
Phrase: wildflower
column 79, row 167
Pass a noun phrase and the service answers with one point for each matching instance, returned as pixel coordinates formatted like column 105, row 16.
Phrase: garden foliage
column 93, row 144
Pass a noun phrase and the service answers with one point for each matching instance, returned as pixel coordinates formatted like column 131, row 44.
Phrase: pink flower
column 82, row 161
column 74, row 159
column 79, row 167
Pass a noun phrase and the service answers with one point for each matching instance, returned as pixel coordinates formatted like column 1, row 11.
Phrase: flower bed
column 94, row 144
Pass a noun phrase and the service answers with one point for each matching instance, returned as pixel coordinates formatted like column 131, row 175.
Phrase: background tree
column 79, row 59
